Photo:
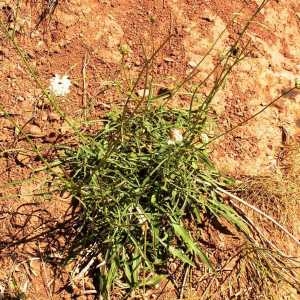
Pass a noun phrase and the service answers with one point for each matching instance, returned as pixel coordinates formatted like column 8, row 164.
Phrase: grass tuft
column 137, row 187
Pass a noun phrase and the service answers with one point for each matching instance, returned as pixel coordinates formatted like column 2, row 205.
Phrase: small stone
column 66, row 195
column 168, row 59
column 143, row 93
column 192, row 64
column 3, row 137
column 19, row 98
column 33, row 130
column 52, row 116
column 23, row 158
column 204, row 138
column 65, row 128
column 55, row 49
column 51, row 138
column 6, row 123
column 44, row 116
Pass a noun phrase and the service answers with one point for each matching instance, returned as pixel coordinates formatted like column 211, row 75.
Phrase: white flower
column 175, row 137
column 60, row 85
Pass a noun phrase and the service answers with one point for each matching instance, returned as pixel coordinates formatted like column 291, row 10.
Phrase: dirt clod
column 33, row 130
column 24, row 159
column 52, row 116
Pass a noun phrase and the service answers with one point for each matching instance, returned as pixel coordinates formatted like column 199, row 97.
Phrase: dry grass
column 279, row 196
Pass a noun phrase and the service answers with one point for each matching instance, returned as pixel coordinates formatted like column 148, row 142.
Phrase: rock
column 66, row 195
column 51, row 138
column 204, row 138
column 24, row 159
column 33, row 130
column 44, row 116
column 168, row 59
column 6, row 123
column 19, row 98
column 52, row 116
column 3, row 137
column 143, row 93
column 192, row 64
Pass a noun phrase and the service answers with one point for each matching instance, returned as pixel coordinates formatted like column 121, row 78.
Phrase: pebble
column 192, row 64
column 65, row 128
column 143, row 93
column 3, row 137
column 23, row 158
column 51, row 138
column 44, row 116
column 19, row 98
column 204, row 138
column 33, row 130
column 52, row 116
column 168, row 59
column 66, row 195
column 6, row 123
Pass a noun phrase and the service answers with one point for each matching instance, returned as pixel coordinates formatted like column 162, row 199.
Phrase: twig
column 184, row 282
column 46, row 281
column 8, row 114
column 85, row 269
column 84, row 94
column 260, row 212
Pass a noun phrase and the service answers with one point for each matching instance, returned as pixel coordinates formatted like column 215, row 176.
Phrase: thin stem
column 259, row 212
column 246, row 120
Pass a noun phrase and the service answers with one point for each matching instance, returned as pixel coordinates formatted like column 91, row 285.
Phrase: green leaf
column 228, row 213
column 183, row 234
column 153, row 280
column 180, row 255
column 111, row 273
column 136, row 264
column 127, row 272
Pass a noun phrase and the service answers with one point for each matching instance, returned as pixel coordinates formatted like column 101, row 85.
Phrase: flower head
column 60, row 85
column 175, row 136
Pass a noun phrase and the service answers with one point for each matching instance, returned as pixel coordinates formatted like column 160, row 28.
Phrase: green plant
column 144, row 180
column 138, row 188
